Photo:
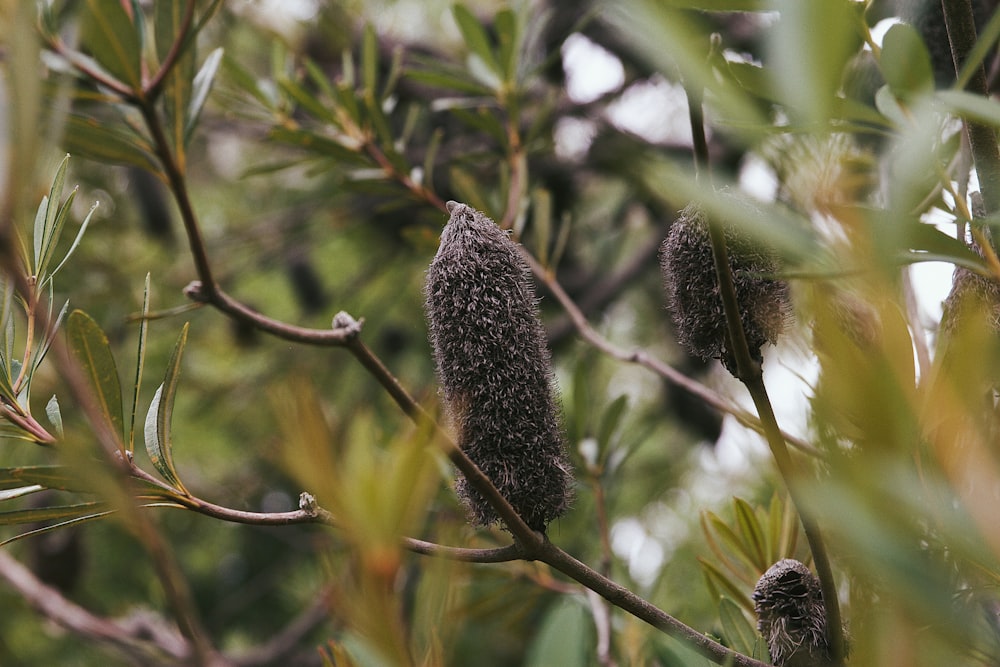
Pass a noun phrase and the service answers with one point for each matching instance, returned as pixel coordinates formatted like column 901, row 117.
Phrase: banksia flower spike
column 790, row 615
column 693, row 294
column 494, row 369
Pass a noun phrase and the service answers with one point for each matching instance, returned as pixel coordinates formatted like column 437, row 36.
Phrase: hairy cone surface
column 693, row 289
column 790, row 615
column 494, row 369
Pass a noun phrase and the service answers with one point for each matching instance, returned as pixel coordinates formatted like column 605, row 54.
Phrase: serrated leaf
column 201, row 87
column 739, row 633
column 54, row 414
column 113, row 39
column 91, row 347
column 752, row 533
column 905, row 62
column 157, row 428
column 89, row 138
column 475, row 37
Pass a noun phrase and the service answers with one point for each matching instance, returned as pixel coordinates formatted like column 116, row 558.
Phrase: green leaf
column 369, row 62
column 812, row 42
column 475, row 37
column 139, row 364
column 157, row 429
column 201, row 87
column 723, row 585
column 970, row 106
column 113, row 40
column 168, row 22
column 307, row 101
column 44, row 232
column 610, row 420
column 57, row 526
column 509, row 35
column 91, row 347
column 449, row 80
column 89, row 138
column 54, row 414
column 740, row 635
column 752, row 533
column 720, row 5
column 563, row 637
column 55, row 513
column 905, row 62
column 76, row 241
column 245, row 80
column 10, row 494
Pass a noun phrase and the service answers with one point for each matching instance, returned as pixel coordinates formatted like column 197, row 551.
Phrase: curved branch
column 140, row 646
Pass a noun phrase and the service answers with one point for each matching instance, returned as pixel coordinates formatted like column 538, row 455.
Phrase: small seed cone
column 790, row 615
column 693, row 294
column 494, row 369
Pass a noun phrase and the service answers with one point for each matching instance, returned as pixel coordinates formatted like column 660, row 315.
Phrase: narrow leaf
column 57, row 512
column 76, row 241
column 739, row 634
column 20, row 491
column 475, row 37
column 113, row 40
column 91, row 347
column 753, row 534
column 726, row 585
column 201, row 87
column 140, row 362
column 87, row 137
column 369, row 62
column 157, row 430
column 169, row 21
column 57, row 526
column 54, row 414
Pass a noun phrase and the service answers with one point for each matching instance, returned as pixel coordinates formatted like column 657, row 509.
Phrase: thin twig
column 749, row 371
column 644, row 359
column 154, row 86
column 140, row 648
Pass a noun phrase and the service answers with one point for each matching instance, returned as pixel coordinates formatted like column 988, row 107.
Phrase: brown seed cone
column 494, row 369
column 790, row 615
column 693, row 294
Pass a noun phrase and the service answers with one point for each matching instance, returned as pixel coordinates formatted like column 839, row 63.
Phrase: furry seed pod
column 790, row 615
column 693, row 289
column 494, row 369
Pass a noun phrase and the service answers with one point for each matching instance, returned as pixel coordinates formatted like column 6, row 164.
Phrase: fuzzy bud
column 694, row 297
column 790, row 615
column 494, row 369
